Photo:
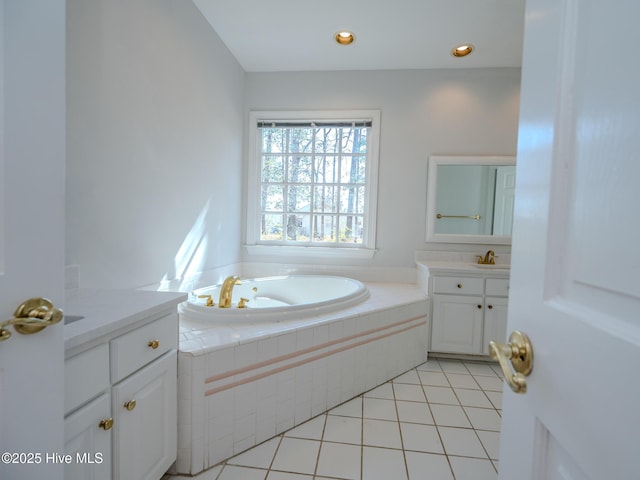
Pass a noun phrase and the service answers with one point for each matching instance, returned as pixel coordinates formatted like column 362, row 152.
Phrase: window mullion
column 312, row 194
column 339, row 179
column 285, row 185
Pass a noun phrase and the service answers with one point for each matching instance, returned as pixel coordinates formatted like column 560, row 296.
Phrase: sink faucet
column 226, row 291
column 489, row 258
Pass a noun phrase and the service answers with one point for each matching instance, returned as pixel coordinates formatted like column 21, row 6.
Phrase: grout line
column 362, row 437
column 324, row 427
column 395, row 404
column 446, row 455
column 275, row 453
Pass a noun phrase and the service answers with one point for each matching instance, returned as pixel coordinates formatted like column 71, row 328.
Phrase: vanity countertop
column 434, row 267
column 106, row 312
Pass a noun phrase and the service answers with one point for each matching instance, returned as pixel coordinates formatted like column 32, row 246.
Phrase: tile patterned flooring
column 438, row 421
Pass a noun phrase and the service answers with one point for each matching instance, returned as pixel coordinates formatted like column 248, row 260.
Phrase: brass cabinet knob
column 490, row 307
column 130, row 405
column 479, row 306
column 459, row 285
column 154, row 344
column 106, row 424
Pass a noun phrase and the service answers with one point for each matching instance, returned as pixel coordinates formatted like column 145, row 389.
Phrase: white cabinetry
column 87, row 425
column 467, row 312
column 87, row 439
column 121, row 404
column 145, row 421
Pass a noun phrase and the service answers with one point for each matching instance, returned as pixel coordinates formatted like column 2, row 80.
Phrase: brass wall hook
column 32, row 316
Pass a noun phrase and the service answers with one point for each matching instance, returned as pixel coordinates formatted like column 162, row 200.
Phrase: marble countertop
column 107, row 312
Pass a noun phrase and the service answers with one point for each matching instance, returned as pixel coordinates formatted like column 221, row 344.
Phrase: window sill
column 315, row 252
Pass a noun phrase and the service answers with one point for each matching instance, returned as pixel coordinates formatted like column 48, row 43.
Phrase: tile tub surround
column 420, row 425
column 240, row 385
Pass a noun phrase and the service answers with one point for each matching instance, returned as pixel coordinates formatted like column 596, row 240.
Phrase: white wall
column 424, row 112
column 157, row 110
column 154, row 134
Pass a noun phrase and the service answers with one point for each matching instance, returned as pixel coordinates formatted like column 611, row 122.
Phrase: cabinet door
column 495, row 321
column 88, row 443
column 145, row 432
column 457, row 324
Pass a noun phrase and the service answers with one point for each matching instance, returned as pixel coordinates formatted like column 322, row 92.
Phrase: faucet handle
column 243, row 302
column 488, row 259
column 209, row 301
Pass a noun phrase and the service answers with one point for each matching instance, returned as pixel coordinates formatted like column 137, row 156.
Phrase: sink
column 489, row 265
column 72, row 318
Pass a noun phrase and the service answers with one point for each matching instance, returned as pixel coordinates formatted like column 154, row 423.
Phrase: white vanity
column 469, row 210
column 121, row 384
column 468, row 306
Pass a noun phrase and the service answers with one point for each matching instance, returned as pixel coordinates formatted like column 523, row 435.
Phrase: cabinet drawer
column 85, row 376
column 459, row 285
column 498, row 287
column 135, row 349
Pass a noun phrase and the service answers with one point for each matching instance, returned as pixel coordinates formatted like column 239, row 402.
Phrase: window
column 312, row 181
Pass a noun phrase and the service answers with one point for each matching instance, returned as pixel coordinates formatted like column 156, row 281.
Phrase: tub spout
column 227, row 290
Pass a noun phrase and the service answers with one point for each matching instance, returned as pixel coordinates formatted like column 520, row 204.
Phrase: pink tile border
column 412, row 323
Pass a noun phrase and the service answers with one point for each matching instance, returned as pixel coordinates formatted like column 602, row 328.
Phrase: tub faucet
column 489, row 258
column 227, row 289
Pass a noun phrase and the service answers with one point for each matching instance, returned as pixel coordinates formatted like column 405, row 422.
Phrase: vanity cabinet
column 121, row 404
column 87, row 438
column 468, row 311
column 88, row 422
column 145, row 421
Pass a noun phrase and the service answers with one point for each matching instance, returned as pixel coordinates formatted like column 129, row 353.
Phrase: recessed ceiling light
column 462, row 50
column 345, row 37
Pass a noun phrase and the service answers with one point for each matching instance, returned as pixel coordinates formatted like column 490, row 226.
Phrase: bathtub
column 272, row 299
column 303, row 345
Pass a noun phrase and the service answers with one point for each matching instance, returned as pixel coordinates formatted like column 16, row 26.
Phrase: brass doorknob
column 520, row 352
column 32, row 316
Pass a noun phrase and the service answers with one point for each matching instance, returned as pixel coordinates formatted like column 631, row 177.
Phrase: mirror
column 470, row 199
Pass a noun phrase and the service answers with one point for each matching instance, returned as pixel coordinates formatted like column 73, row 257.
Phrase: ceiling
column 297, row 35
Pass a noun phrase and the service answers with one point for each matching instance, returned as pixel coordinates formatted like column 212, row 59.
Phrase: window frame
column 253, row 244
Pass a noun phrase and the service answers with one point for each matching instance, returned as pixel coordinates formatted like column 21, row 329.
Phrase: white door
column 575, row 286
column 504, row 200
column 32, row 139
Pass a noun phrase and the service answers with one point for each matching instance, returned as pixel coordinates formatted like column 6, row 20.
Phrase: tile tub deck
column 239, row 385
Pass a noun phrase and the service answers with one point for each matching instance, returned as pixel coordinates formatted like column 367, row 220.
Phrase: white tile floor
column 438, row 421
